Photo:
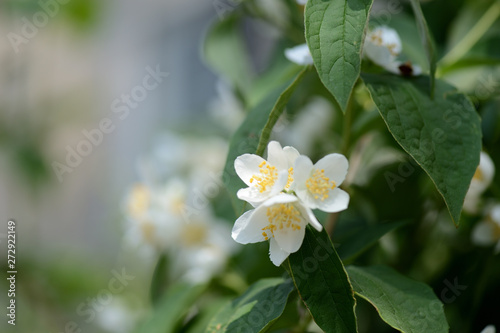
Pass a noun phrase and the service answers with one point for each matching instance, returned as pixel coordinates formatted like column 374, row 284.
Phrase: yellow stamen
column 290, row 179
column 280, row 217
column 478, row 175
column 193, row 234
column 267, row 177
column 319, row 185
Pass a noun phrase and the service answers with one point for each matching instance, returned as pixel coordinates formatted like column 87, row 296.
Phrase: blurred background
column 123, row 73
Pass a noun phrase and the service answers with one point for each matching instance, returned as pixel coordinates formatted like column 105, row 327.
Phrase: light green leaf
column 225, row 53
column 407, row 305
column 335, row 31
column 253, row 134
column 159, row 280
column 322, row 282
column 442, row 135
column 426, row 38
column 172, row 308
column 254, row 311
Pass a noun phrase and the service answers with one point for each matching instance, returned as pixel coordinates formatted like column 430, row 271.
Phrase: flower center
column 478, row 175
column 281, row 216
column 148, row 231
column 194, row 234
column 319, row 185
column 139, row 200
column 266, row 178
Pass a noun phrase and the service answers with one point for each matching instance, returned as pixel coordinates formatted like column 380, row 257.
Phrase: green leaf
column 407, row 305
column 359, row 238
column 254, row 311
column 254, row 132
column 172, row 308
column 322, row 282
column 225, row 52
column 335, row 31
column 425, row 36
column 442, row 135
column 159, row 279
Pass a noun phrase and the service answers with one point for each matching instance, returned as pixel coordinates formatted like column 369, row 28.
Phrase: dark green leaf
column 425, row 36
column 172, row 308
column 255, row 132
column 254, row 311
column 335, row 31
column 407, row 305
column 442, row 135
column 323, row 284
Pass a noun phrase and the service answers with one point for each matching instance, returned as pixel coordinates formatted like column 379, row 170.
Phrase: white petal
column 275, row 156
column 248, row 228
column 280, row 199
column 299, row 54
column 301, row 2
column 489, row 329
column 335, row 166
column 291, row 155
column 252, row 195
column 337, row 201
column 417, row 70
column 482, row 234
column 280, row 183
column 290, row 240
column 301, row 171
column 247, row 165
column 276, row 254
column 310, row 217
column 495, row 214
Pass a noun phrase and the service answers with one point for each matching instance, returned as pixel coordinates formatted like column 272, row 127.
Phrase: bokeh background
column 63, row 79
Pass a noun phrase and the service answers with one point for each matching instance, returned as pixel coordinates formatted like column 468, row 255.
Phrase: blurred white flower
column 480, row 182
column 117, row 317
column 265, row 178
column 227, row 109
column 302, row 2
column 282, row 219
column 310, row 126
column 317, row 185
column 489, row 329
column 487, row 231
column 383, row 46
column 299, row 54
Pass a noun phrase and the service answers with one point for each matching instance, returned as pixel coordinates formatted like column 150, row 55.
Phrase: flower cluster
column 283, row 191
column 169, row 211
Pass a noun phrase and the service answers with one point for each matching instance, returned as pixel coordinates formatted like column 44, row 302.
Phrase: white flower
column 383, row 46
column 487, row 231
column 265, row 178
column 480, row 182
column 282, row 220
column 302, row 2
column 299, row 54
column 317, row 185
column 489, row 329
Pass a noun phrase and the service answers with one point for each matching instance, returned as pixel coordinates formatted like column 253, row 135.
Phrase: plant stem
column 472, row 37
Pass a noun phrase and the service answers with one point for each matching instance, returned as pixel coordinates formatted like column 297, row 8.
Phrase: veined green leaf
column 442, row 135
column 407, row 305
column 253, row 134
column 254, row 311
column 335, row 31
column 322, row 282
column 426, row 38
